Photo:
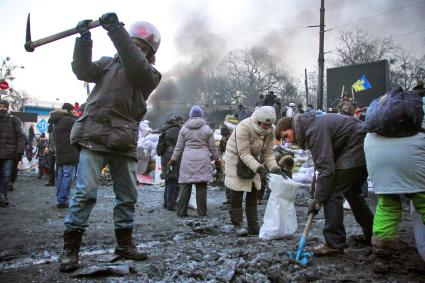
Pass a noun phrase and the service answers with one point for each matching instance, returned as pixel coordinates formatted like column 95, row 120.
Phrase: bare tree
column 406, row 70
column 357, row 47
column 252, row 72
column 16, row 99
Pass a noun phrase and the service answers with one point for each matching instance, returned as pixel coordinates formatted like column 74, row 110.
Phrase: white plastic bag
column 305, row 177
column 280, row 217
column 419, row 231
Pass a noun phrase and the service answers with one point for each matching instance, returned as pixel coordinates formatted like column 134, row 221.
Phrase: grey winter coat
column 12, row 139
column 118, row 102
column 335, row 142
column 194, row 147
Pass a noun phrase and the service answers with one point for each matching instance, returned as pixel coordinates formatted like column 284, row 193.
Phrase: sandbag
column 280, row 217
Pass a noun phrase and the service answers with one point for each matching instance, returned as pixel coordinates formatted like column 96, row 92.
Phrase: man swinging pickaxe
column 31, row 45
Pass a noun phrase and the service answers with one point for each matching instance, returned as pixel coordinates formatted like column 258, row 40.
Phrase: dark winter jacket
column 62, row 122
column 118, row 101
column 335, row 142
column 12, row 140
column 165, row 148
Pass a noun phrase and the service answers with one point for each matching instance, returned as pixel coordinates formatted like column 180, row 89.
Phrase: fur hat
column 283, row 124
column 196, row 112
column 286, row 162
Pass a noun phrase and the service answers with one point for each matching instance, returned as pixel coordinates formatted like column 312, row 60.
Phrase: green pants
column 388, row 214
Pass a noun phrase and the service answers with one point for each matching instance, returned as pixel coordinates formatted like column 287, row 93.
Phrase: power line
column 299, row 27
column 409, row 33
column 378, row 15
column 239, row 33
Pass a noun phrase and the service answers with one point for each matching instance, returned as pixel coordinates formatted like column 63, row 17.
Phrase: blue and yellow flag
column 361, row 84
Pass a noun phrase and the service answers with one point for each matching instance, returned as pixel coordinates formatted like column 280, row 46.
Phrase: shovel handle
column 30, row 46
column 308, row 224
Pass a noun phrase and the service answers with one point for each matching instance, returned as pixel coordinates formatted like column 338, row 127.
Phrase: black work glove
column 83, row 29
column 314, row 206
column 109, row 21
column 19, row 156
column 263, row 172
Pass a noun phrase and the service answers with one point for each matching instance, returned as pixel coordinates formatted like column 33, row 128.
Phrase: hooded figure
column 252, row 138
column 195, row 146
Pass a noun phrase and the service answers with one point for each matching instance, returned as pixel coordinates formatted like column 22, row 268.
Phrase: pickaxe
column 31, row 45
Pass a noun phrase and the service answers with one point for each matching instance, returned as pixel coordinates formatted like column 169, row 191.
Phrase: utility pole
column 306, row 86
column 321, row 54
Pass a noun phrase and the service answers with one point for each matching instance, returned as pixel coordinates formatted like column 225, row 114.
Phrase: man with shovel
column 336, row 145
column 107, row 130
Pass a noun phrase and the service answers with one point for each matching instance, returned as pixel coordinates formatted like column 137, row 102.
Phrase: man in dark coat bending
column 336, row 145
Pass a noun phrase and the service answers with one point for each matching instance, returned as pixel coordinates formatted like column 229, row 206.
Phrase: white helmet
column 148, row 33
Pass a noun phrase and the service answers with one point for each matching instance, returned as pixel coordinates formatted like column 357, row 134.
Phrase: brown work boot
column 325, row 250
column 383, row 250
column 125, row 246
column 71, row 247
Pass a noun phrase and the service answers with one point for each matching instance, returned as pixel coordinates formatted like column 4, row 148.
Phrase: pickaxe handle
column 31, row 45
column 304, row 236
column 308, row 224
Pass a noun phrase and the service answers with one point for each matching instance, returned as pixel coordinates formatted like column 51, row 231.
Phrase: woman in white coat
column 252, row 138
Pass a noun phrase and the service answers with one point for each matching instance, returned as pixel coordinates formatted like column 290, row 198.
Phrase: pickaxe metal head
column 31, row 45
column 27, row 45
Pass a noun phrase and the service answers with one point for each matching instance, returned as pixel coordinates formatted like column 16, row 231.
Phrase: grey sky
column 224, row 25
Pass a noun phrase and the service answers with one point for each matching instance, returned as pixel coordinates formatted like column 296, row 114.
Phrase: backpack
column 395, row 114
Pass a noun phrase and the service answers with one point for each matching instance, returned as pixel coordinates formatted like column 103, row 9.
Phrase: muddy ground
column 190, row 249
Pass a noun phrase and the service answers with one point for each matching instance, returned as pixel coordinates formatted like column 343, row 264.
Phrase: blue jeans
column 171, row 192
column 64, row 181
column 123, row 172
column 6, row 168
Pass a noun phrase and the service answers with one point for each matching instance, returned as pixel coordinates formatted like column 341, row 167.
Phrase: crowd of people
column 344, row 154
